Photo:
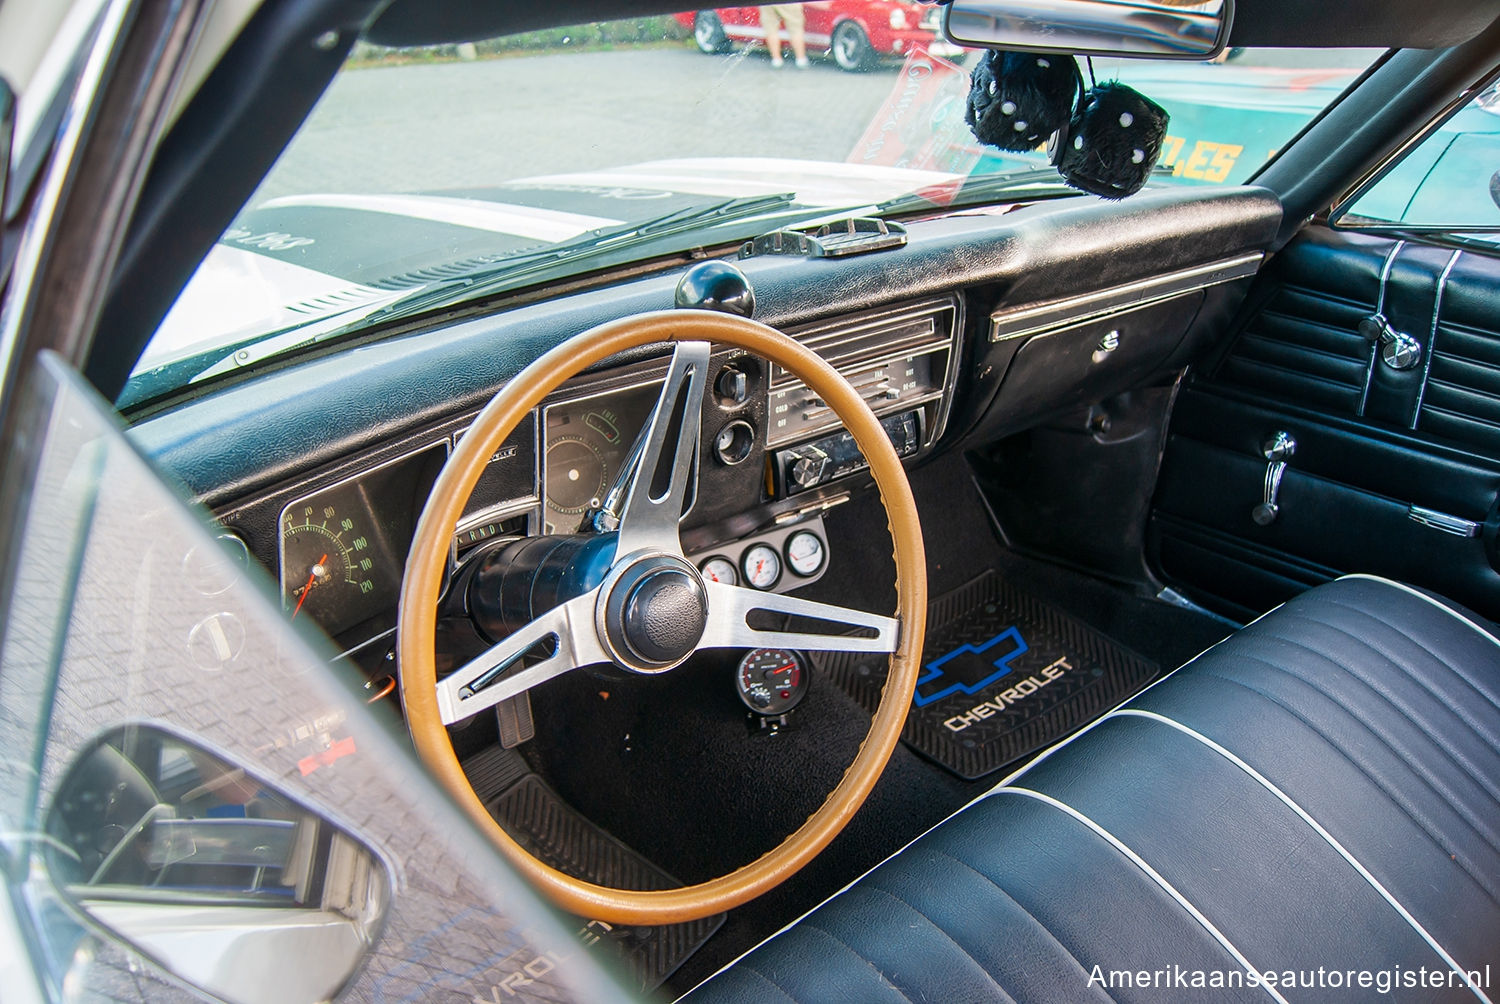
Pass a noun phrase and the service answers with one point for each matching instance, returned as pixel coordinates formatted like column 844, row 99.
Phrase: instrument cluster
column 772, row 456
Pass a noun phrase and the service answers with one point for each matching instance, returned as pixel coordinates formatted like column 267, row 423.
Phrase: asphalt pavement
column 439, row 125
column 427, row 126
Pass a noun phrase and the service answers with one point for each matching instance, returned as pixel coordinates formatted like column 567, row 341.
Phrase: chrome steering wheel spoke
column 568, row 630
column 665, row 469
column 729, row 609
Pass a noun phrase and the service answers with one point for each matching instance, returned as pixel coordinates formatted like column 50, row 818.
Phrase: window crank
column 1277, row 450
column 1399, row 350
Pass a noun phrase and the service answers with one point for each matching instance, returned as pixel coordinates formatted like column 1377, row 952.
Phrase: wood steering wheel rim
column 426, row 570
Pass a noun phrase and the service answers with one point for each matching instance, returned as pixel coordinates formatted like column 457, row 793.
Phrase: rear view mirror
column 218, row 877
column 1157, row 29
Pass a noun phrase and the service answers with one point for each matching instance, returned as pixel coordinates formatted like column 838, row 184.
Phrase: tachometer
column 771, row 681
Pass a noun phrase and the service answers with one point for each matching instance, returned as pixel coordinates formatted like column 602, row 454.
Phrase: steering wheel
column 653, row 609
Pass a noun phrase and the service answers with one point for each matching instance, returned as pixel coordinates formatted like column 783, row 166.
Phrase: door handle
column 1277, row 450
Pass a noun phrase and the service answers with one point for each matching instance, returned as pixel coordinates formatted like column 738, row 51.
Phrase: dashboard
column 773, row 459
column 955, row 339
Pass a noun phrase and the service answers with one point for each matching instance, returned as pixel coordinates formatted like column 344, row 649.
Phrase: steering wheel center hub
column 652, row 614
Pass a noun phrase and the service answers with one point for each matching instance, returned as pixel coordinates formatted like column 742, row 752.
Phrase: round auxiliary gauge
column 762, row 566
column 720, row 569
column 771, row 681
column 805, row 553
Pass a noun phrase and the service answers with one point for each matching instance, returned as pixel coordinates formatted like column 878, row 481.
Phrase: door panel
column 1376, row 446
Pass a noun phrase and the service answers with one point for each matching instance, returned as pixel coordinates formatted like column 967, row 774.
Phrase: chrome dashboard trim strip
column 1022, row 322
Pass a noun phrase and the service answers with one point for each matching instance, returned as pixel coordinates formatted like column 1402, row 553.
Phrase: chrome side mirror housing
column 211, row 872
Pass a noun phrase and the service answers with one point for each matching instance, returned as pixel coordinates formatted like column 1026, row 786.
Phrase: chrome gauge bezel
column 790, row 562
column 774, row 554
column 727, row 562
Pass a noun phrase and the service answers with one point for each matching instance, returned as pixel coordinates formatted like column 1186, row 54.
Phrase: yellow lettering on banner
column 1223, row 162
column 1199, row 161
column 1171, row 149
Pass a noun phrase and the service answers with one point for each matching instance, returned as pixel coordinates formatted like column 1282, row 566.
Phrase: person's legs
column 770, row 20
column 796, row 20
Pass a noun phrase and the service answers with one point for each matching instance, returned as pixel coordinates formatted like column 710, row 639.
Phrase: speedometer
column 324, row 567
column 343, row 546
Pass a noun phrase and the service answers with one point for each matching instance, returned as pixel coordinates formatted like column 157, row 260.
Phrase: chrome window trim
column 1432, row 336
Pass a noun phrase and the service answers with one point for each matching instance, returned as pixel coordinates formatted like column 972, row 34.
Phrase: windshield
column 429, row 176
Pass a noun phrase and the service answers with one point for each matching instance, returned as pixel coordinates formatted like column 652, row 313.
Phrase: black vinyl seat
column 1319, row 792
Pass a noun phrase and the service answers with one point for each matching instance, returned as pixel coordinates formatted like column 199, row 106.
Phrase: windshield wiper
column 604, row 247
column 512, row 272
column 534, row 266
column 1017, row 185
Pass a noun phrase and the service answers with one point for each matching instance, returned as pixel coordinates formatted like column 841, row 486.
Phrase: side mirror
column 210, row 871
column 1158, row 29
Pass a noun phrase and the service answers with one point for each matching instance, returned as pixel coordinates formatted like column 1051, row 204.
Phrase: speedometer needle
column 306, row 588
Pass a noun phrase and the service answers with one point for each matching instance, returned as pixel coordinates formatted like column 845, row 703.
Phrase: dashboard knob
column 807, row 469
column 733, row 385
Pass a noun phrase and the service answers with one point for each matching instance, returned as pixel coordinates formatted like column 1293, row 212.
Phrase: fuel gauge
column 771, row 681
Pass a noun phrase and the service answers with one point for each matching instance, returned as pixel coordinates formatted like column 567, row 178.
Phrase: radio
column 823, row 460
column 899, row 360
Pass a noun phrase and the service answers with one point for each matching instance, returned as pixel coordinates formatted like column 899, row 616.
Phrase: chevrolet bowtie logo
column 969, row 669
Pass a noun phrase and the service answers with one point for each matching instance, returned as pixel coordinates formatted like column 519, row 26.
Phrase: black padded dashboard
column 247, row 437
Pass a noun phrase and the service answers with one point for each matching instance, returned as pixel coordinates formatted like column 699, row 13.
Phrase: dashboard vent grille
column 897, row 359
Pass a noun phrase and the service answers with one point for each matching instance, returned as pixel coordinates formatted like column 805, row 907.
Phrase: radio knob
column 807, row 468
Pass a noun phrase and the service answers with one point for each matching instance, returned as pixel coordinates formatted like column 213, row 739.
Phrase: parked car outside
column 857, row 34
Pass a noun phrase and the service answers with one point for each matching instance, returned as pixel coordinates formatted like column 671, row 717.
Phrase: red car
column 856, row 33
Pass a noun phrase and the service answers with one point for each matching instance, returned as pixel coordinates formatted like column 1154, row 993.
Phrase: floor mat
column 555, row 834
column 1003, row 675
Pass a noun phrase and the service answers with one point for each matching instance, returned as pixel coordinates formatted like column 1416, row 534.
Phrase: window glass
column 425, row 176
column 190, row 770
column 1450, row 181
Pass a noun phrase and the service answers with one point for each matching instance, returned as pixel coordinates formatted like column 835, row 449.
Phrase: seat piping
column 1317, row 827
column 1423, row 596
column 1154, row 876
